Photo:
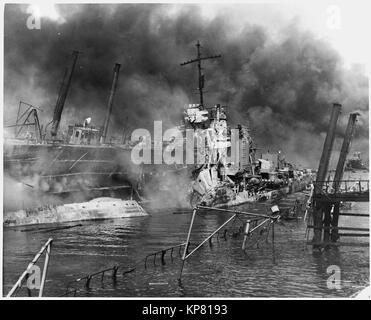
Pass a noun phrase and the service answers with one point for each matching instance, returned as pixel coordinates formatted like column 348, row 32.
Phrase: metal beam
column 327, row 147
column 25, row 274
column 116, row 71
column 318, row 209
column 344, row 150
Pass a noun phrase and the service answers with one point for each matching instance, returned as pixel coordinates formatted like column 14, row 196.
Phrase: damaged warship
column 81, row 165
column 355, row 163
column 219, row 181
column 223, row 183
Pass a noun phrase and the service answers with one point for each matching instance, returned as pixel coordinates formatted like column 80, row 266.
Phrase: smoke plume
column 282, row 87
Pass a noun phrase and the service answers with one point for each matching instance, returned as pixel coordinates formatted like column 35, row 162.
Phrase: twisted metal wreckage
column 218, row 184
column 253, row 226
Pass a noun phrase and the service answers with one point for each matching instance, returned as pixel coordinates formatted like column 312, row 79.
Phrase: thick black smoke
column 283, row 88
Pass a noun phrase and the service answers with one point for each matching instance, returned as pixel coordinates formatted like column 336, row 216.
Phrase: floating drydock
column 99, row 208
column 58, row 161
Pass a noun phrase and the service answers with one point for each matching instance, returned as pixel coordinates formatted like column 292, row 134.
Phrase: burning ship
column 224, row 181
column 230, row 173
column 69, row 166
column 80, row 164
column 355, row 163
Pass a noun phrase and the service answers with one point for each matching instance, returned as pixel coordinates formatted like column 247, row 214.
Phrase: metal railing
column 25, row 275
column 256, row 222
column 261, row 220
column 345, row 186
column 72, row 291
column 162, row 253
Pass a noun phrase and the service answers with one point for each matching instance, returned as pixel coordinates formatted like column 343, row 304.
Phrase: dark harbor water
column 289, row 269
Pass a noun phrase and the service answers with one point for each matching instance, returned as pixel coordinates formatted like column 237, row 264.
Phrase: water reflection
column 287, row 269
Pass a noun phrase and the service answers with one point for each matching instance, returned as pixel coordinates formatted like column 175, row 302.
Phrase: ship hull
column 47, row 159
column 60, row 170
column 262, row 196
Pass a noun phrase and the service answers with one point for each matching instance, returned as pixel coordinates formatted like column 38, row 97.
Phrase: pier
column 328, row 195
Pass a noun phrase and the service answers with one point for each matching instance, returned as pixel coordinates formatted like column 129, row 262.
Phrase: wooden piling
column 334, row 222
column 327, row 222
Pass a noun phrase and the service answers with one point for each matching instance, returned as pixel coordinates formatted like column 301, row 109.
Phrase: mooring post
column 317, row 223
column 246, row 234
column 335, row 222
column 87, row 283
column 326, row 222
column 273, row 249
column 114, row 271
column 163, row 252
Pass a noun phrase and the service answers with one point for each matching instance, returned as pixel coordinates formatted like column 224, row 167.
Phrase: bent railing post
column 251, row 225
column 25, row 274
column 187, row 242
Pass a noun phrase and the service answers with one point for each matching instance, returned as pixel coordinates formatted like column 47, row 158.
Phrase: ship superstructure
column 355, row 163
column 82, row 160
column 231, row 173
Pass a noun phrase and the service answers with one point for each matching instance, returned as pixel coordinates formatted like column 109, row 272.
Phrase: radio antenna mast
column 201, row 77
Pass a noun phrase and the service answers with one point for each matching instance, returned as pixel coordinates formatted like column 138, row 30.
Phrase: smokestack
column 327, row 148
column 62, row 97
column 116, row 71
column 344, row 150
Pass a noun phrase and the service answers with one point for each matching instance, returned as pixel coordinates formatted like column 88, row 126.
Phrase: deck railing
column 345, row 186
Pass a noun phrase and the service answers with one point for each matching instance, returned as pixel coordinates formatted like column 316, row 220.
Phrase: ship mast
column 201, row 77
